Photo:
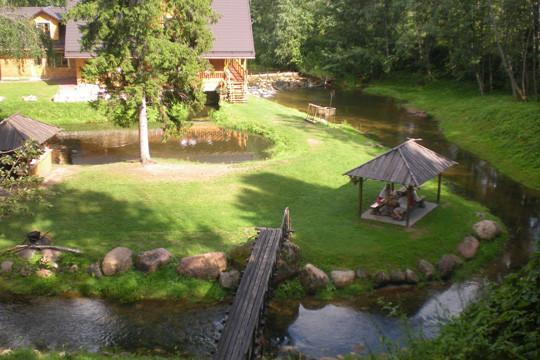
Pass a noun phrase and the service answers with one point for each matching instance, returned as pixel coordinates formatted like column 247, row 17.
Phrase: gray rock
column 117, row 260
column 361, row 274
column 288, row 263
column 381, row 279
column 94, row 270
column 44, row 273
column 26, row 254
column 469, row 247
column 205, row 266
column 486, row 230
column 447, row 264
column 426, row 269
column 150, row 261
column 313, row 279
column 6, row 267
column 50, row 255
column 397, row 277
column 229, row 279
column 411, row 277
column 342, row 278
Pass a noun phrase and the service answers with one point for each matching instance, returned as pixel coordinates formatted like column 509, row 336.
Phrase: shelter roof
column 408, row 164
column 17, row 129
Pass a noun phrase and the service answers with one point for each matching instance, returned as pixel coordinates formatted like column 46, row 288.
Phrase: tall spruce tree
column 148, row 56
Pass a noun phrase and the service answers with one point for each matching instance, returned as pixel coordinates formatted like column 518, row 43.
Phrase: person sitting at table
column 383, row 197
column 401, row 209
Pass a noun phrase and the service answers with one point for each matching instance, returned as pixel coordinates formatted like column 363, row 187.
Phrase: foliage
column 502, row 325
column 147, row 54
column 19, row 191
column 20, row 39
column 493, row 42
column 30, row 354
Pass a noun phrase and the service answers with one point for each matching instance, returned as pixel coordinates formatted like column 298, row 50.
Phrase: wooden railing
column 212, row 75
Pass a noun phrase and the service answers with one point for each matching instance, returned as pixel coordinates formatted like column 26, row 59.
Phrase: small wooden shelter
column 409, row 164
column 17, row 129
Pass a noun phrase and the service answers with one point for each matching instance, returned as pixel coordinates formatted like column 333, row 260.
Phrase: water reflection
column 339, row 329
column 203, row 143
column 94, row 325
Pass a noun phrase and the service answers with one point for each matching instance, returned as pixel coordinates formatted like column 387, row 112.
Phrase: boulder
column 116, row 261
column 468, row 247
column 411, row 277
column 342, row 278
column 288, row 263
column 26, row 254
column 150, row 261
column 397, row 277
column 426, row 269
column 50, row 255
column 6, row 267
column 361, row 274
column 486, row 230
column 229, row 279
column 313, row 279
column 447, row 265
column 206, row 266
column 381, row 279
column 44, row 273
column 94, row 270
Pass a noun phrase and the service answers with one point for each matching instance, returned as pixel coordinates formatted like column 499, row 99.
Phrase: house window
column 59, row 61
column 45, row 27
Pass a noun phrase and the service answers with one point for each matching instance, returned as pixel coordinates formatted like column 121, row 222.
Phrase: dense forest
column 492, row 42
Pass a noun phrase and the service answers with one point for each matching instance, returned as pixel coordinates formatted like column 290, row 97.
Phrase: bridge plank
column 245, row 312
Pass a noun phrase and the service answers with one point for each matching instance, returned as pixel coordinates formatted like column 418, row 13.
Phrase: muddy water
column 202, row 143
column 315, row 328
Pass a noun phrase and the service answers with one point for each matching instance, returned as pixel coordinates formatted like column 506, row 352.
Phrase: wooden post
column 439, row 190
column 409, row 194
column 360, row 195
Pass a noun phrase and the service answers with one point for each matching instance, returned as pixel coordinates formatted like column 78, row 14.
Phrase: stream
column 314, row 328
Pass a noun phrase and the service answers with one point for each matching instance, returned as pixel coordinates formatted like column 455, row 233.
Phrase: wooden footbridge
column 243, row 328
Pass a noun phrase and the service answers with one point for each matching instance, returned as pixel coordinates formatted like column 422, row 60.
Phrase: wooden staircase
column 235, row 83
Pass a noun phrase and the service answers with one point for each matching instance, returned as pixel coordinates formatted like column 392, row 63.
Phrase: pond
column 203, row 142
column 314, row 328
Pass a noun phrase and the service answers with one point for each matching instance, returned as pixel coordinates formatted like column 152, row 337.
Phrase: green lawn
column 66, row 115
column 105, row 206
column 495, row 127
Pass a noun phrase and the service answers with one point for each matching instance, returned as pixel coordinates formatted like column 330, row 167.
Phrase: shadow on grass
column 96, row 222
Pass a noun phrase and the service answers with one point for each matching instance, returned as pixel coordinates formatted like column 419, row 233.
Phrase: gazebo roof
column 17, row 129
column 408, row 164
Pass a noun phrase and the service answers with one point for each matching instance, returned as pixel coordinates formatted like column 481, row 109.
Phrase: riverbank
column 100, row 207
column 496, row 127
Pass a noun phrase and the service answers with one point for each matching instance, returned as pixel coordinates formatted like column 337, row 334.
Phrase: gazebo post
column 360, row 195
column 409, row 194
column 439, row 190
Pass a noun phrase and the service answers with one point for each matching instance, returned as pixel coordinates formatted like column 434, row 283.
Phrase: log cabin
column 232, row 47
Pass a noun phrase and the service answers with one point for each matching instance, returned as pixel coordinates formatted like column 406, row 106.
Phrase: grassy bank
column 193, row 208
column 495, row 127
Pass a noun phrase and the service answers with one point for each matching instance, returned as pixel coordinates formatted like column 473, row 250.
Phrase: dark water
column 315, row 328
column 202, row 143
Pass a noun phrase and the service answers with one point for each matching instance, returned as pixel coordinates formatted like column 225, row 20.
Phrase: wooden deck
column 237, row 340
column 416, row 215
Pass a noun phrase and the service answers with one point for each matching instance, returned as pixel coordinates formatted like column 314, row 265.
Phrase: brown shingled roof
column 233, row 36
column 29, row 12
column 17, row 129
column 408, row 164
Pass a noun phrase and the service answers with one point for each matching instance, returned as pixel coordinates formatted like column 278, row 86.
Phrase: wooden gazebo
column 17, row 129
column 409, row 164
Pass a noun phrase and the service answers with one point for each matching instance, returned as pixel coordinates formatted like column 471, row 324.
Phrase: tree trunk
column 144, row 147
column 480, row 82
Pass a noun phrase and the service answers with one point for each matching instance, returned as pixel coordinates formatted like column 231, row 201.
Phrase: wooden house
column 233, row 46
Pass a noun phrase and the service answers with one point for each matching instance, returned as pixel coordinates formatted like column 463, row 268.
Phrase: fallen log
column 41, row 247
